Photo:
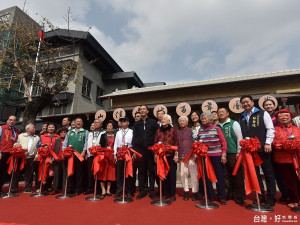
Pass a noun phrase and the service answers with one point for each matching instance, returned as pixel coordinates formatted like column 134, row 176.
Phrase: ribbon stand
column 258, row 207
column 40, row 194
column 157, row 151
column 10, row 195
column 94, row 197
column 160, row 201
column 123, row 200
column 65, row 195
column 206, row 204
column 250, row 146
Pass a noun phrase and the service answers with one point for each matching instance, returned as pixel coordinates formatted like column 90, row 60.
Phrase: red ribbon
column 44, row 155
column 124, row 154
column 250, row 159
column 99, row 158
column 69, row 153
column 292, row 145
column 16, row 152
column 200, row 149
column 161, row 160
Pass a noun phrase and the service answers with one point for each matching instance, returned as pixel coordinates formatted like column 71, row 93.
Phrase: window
column 86, row 87
column 57, row 110
column 99, row 93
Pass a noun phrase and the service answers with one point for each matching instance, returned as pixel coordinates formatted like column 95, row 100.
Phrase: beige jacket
column 23, row 140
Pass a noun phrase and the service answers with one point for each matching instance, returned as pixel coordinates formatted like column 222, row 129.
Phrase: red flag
column 41, row 35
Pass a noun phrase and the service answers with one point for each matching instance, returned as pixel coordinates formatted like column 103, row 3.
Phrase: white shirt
column 123, row 137
column 30, row 141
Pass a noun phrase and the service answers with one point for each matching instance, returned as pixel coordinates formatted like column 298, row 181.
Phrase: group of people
column 217, row 130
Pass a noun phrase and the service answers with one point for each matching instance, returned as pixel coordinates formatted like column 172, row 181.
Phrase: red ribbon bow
column 124, row 154
column 45, row 154
column 16, row 153
column 69, row 153
column 292, row 145
column 250, row 159
column 161, row 161
column 200, row 149
column 99, row 159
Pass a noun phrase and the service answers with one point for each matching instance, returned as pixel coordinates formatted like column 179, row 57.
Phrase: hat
column 62, row 129
column 124, row 118
column 283, row 111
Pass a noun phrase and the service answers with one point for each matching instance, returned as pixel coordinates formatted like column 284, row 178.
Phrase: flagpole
column 35, row 66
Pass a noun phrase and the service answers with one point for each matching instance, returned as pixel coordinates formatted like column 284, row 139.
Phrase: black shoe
column 53, row 192
column 262, row 199
column 141, row 195
column 108, row 194
column 200, row 196
column 271, row 202
column 117, row 195
column 223, row 202
column 283, row 198
column 229, row 196
column 102, row 196
column 152, row 195
column 173, row 198
column 186, row 196
column 240, row 202
column 195, row 197
column 128, row 196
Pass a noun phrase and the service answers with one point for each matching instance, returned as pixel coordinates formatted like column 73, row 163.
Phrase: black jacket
column 144, row 134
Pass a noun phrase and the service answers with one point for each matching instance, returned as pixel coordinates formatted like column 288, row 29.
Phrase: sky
column 184, row 40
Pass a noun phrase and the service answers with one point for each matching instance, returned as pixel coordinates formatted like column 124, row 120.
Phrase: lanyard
column 287, row 131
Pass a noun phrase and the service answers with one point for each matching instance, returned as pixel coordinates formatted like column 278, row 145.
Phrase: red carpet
column 49, row 210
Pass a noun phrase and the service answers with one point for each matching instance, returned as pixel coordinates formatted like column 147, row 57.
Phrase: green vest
column 229, row 134
column 77, row 141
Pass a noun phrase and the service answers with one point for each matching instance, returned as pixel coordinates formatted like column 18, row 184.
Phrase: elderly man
column 185, row 141
column 30, row 141
column 233, row 134
column 8, row 136
column 123, row 137
column 93, row 140
column 78, row 138
column 258, row 123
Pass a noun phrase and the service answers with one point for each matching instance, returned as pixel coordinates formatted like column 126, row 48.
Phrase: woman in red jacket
column 283, row 132
column 167, row 135
column 48, row 140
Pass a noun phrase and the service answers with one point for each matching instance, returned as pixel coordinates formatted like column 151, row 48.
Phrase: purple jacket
column 185, row 138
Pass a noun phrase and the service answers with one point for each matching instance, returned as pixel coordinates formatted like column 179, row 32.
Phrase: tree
column 36, row 63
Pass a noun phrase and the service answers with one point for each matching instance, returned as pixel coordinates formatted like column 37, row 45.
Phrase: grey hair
column 29, row 125
column 183, row 117
column 99, row 120
column 169, row 118
column 208, row 114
